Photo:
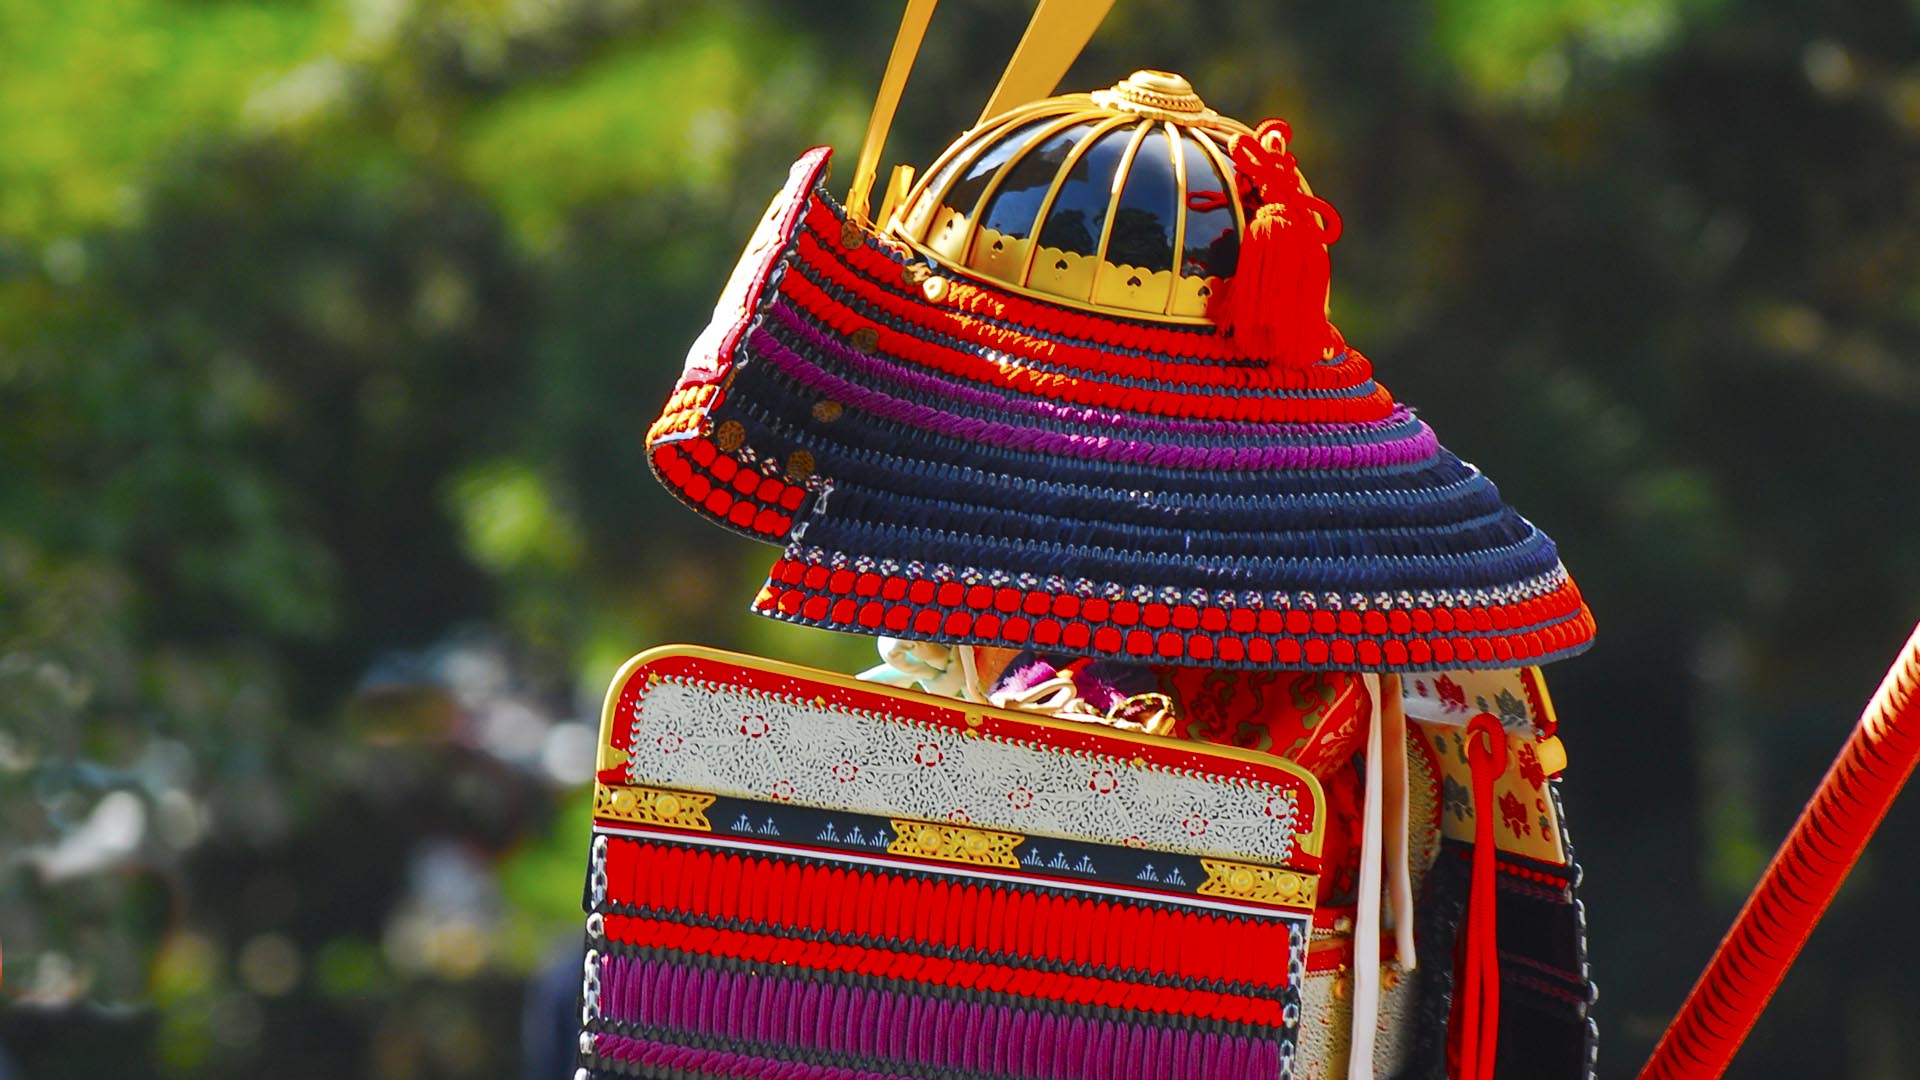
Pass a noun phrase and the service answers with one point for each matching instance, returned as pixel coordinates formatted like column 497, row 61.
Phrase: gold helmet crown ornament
column 1137, row 200
column 1122, row 200
column 954, row 438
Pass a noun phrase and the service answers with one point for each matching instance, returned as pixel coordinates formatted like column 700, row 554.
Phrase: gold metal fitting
column 1158, row 94
column 1023, row 164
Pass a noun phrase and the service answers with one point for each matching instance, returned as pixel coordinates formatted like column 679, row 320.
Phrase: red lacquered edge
column 796, row 682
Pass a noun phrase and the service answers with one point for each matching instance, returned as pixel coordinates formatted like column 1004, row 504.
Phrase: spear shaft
column 1800, row 882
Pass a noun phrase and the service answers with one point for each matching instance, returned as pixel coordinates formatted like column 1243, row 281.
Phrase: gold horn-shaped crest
column 1059, row 30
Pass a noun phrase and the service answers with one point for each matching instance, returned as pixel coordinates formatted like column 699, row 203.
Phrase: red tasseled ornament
column 1276, row 304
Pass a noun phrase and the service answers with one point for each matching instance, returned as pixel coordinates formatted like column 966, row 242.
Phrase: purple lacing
column 1418, row 447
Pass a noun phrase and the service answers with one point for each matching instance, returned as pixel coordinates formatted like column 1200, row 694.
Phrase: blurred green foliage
column 328, row 332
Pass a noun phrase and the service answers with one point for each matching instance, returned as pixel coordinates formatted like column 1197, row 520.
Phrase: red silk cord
column 1476, row 1004
column 1799, row 883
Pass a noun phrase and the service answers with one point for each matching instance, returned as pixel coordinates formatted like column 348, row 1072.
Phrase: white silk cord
column 1366, row 928
column 1393, row 736
column 938, row 669
column 970, row 667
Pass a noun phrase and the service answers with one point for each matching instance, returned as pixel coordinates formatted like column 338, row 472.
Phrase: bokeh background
column 329, row 330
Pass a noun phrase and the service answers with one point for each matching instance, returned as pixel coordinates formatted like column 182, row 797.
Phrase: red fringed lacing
column 1475, row 1024
column 921, row 928
column 1276, row 304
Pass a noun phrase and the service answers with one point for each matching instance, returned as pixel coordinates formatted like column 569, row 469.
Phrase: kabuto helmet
column 1077, row 389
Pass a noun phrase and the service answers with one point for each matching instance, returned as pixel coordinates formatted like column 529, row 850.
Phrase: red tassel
column 1475, row 1020
column 1275, row 306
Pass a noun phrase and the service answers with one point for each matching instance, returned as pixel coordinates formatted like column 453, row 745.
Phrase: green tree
column 328, row 333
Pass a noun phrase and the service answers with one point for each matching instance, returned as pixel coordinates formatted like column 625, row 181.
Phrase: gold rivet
column 799, row 464
column 622, row 800
column 666, row 806
column 826, row 411
column 928, row 839
column 851, row 236
column 731, row 435
column 935, row 288
column 866, row 339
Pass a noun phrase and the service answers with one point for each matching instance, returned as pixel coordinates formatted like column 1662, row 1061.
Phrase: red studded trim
column 1504, row 635
column 728, row 488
